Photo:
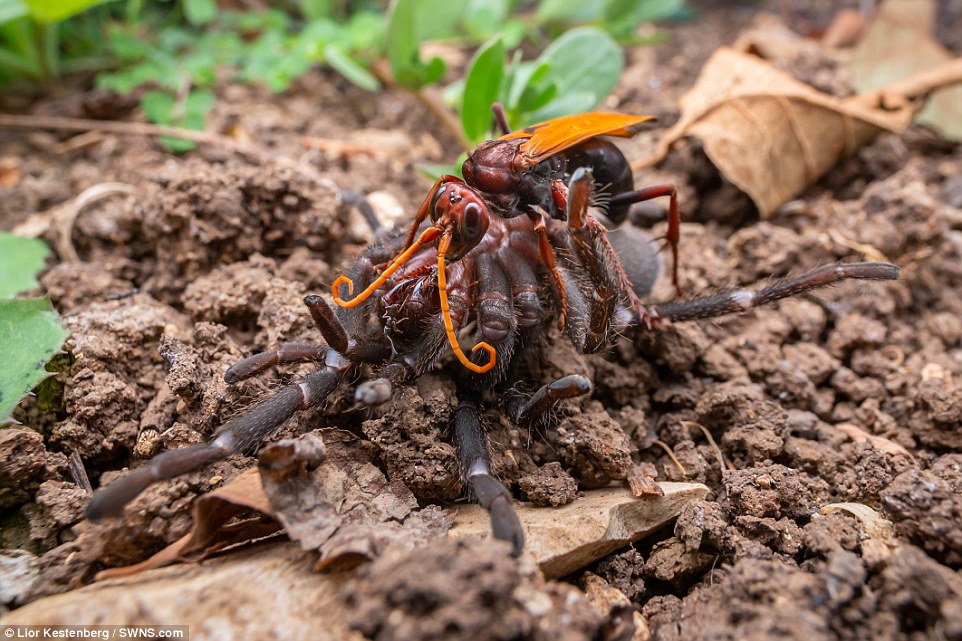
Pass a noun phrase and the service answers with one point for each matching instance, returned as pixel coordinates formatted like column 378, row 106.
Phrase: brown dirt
column 222, row 252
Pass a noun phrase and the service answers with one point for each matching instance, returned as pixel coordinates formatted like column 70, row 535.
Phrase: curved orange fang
column 427, row 236
column 446, row 315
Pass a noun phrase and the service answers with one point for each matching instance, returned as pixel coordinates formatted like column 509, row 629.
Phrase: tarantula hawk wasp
column 513, row 245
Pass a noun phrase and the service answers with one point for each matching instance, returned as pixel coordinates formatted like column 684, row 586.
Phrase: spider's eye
column 474, row 223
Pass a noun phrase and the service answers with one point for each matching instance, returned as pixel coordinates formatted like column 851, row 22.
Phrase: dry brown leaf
column 880, row 540
column 769, row 134
column 339, row 502
column 325, row 492
column 9, row 171
column 211, row 531
column 313, row 500
column 641, row 481
column 859, row 435
column 900, row 43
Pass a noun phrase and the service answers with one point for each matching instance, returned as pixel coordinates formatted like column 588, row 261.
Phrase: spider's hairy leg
column 240, row 434
column 288, row 353
column 246, row 431
column 741, row 300
column 601, row 306
column 476, row 470
column 536, row 408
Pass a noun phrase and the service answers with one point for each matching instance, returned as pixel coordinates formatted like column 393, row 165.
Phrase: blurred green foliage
column 172, row 53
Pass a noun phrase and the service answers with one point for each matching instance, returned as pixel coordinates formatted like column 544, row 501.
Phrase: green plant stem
column 49, row 50
column 133, row 11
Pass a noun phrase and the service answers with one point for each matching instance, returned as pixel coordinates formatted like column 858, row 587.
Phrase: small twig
column 671, row 455
column 344, row 148
column 870, row 252
column 253, row 152
column 79, row 141
column 918, row 85
column 68, row 253
column 711, row 442
column 430, row 99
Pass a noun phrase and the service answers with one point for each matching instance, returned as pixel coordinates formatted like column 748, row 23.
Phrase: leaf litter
column 772, row 135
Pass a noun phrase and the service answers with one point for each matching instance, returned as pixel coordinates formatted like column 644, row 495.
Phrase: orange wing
column 554, row 136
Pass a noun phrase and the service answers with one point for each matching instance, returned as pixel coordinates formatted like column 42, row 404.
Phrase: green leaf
column 537, row 96
column 12, row 9
column 565, row 104
column 314, row 9
column 161, row 108
column 350, row 68
column 199, row 12
column 411, row 22
column 482, row 18
column 433, row 71
column 366, row 31
column 635, row 12
column 524, row 76
column 20, row 260
column 30, row 334
column 433, row 172
column 198, row 104
column 482, row 87
column 584, row 62
column 569, row 10
column 512, row 32
column 57, row 10
column 128, row 47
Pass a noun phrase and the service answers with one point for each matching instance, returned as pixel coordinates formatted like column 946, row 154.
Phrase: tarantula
column 508, row 266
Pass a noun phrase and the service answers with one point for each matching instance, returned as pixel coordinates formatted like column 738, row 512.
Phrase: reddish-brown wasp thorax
column 523, row 168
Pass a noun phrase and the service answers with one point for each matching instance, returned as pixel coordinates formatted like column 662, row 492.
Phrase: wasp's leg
column 476, row 471
column 500, row 118
column 740, row 300
column 673, row 235
column 240, row 434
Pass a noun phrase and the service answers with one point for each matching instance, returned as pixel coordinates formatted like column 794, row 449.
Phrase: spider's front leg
column 247, row 430
column 596, row 306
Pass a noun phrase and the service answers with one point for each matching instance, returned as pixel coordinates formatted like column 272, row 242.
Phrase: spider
column 508, row 265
